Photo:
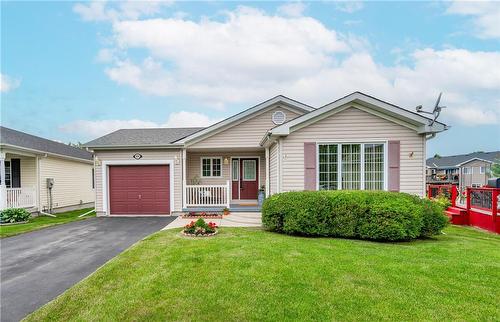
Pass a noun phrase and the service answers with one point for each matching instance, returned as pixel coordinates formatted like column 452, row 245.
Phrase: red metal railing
column 483, row 198
column 448, row 190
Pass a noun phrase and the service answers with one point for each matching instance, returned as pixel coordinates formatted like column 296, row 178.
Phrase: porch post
column 184, row 178
column 267, row 172
column 3, row 187
column 228, row 191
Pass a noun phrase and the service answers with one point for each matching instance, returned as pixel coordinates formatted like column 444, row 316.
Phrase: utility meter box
column 50, row 183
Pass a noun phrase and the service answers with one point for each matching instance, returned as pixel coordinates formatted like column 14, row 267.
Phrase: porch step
column 455, row 211
column 244, row 209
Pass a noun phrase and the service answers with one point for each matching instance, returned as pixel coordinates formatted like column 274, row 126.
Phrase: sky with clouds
column 72, row 71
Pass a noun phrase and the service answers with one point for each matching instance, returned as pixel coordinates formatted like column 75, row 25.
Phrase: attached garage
column 139, row 189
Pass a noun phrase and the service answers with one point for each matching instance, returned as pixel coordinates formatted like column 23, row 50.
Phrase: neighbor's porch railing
column 21, row 197
column 208, row 195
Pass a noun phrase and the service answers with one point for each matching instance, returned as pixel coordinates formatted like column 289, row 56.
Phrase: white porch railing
column 208, row 195
column 21, row 197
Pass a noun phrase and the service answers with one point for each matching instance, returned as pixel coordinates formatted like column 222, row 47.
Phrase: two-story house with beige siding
column 357, row 142
column 43, row 175
column 465, row 170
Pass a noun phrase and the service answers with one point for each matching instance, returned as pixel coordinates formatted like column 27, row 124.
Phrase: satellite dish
column 435, row 112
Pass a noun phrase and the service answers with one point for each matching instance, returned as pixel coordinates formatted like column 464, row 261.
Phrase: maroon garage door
column 139, row 190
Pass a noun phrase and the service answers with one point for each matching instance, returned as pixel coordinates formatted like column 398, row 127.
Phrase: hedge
column 374, row 215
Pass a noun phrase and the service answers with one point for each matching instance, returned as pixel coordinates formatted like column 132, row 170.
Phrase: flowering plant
column 200, row 228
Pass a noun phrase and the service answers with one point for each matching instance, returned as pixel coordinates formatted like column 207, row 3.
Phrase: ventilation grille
column 279, row 117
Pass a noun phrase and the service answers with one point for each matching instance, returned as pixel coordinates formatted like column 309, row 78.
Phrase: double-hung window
column 211, row 167
column 8, row 174
column 351, row 166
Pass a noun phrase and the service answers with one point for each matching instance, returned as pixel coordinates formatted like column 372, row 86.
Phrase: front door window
column 249, row 170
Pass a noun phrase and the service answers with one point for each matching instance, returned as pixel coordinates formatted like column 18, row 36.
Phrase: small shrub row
column 374, row 215
column 13, row 215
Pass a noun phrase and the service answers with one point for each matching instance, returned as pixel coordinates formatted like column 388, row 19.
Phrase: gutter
column 45, row 153
column 128, row 147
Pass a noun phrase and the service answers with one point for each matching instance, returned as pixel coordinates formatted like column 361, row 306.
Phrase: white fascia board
column 128, row 147
column 35, row 152
column 370, row 102
column 473, row 159
column 242, row 115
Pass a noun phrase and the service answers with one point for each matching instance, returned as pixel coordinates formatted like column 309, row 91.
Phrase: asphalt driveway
column 38, row 266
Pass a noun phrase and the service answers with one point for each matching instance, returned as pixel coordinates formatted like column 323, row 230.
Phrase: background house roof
column 24, row 140
column 141, row 137
column 453, row 161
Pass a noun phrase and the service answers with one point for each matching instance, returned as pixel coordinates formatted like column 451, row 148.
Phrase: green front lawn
column 251, row 274
column 40, row 222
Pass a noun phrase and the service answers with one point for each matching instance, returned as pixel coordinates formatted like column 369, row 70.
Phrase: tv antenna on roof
column 435, row 112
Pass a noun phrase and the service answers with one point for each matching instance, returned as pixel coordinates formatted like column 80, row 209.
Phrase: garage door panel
column 139, row 189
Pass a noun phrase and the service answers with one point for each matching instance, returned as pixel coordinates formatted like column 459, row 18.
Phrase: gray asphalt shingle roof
column 32, row 142
column 141, row 137
column 453, row 161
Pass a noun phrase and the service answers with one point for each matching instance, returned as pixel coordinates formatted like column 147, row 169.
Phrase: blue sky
column 73, row 71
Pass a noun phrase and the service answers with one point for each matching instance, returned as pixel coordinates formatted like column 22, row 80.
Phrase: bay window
column 351, row 166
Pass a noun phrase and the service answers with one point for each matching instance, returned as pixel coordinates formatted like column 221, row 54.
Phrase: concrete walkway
column 234, row 219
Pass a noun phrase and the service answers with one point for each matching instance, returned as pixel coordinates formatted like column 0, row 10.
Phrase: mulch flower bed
column 195, row 215
column 200, row 228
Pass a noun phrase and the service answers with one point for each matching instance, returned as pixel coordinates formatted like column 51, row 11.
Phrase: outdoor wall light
column 226, row 160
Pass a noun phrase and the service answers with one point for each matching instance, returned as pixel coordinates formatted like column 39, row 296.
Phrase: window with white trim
column 353, row 166
column 211, row 167
column 8, row 175
column 467, row 170
column 482, row 170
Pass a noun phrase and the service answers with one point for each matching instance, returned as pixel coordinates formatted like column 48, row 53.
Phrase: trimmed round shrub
column 374, row 215
column 13, row 215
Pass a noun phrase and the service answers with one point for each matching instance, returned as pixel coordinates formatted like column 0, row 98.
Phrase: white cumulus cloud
column 292, row 9
column 8, row 83
column 485, row 15
column 249, row 56
column 92, row 129
column 119, row 10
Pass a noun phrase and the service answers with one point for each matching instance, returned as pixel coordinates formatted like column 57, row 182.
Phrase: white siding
column 72, row 182
column 273, row 169
column 245, row 134
column 356, row 125
column 146, row 155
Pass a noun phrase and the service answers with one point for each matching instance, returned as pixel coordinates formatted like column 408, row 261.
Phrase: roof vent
column 279, row 117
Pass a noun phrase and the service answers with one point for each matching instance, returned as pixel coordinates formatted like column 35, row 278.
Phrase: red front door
column 249, row 178
column 139, row 189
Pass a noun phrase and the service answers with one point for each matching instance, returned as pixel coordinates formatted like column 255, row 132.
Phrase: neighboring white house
column 356, row 142
column 40, row 174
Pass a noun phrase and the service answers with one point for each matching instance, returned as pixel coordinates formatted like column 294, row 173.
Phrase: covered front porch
column 216, row 179
column 18, row 180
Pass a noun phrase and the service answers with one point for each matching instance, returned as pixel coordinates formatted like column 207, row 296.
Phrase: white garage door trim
column 105, row 176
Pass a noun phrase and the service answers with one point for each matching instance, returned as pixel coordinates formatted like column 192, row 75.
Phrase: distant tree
column 437, row 156
column 495, row 169
column 78, row 145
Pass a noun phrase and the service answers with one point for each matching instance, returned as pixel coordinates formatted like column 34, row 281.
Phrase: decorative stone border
column 193, row 235
column 14, row 223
